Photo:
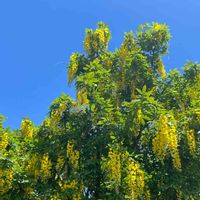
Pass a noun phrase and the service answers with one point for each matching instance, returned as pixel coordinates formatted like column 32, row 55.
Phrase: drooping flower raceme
column 166, row 141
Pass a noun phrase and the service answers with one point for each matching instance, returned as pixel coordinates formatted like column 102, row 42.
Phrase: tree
column 132, row 132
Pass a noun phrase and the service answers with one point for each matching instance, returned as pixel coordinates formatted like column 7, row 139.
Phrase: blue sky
column 38, row 36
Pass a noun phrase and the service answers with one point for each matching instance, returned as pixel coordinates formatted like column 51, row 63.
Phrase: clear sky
column 38, row 36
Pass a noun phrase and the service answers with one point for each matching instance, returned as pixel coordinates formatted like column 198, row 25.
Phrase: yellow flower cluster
column 45, row 169
column 158, row 30
column 160, row 68
column 135, row 180
column 87, row 43
column 73, row 155
column 60, row 163
column 192, row 92
column 147, row 195
column 40, row 166
column 57, row 113
column 157, row 27
column 75, row 188
column 3, row 141
column 103, row 34
column 173, row 147
column 29, row 192
column 46, row 123
column 166, row 141
column 139, row 115
column 114, row 164
column 55, row 117
column 160, row 142
column 6, row 178
column 91, row 43
column 128, row 45
column 113, row 168
column 33, row 165
column 123, row 51
column 73, row 67
column 76, row 197
column 70, row 184
column 97, row 38
column 137, row 121
column 191, row 141
column 27, row 128
column 179, row 195
column 82, row 97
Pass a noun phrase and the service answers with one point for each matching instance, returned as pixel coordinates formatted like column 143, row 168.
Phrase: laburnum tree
column 132, row 133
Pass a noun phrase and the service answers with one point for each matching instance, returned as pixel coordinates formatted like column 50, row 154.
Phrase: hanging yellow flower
column 160, row 68
column 70, row 184
column 6, row 178
column 57, row 113
column 39, row 166
column 160, row 141
column 166, row 141
column 75, row 188
column 29, row 192
column 27, row 128
column 191, row 141
column 147, row 194
column 114, row 166
column 46, row 123
column 55, row 117
column 45, row 169
column 139, row 117
column 129, row 45
column 73, row 66
column 82, row 97
column 73, row 155
column 3, row 141
column 96, row 40
column 76, row 197
column 173, row 146
column 123, row 51
column 33, row 165
column 87, row 43
column 179, row 195
column 101, row 35
column 135, row 180
column 60, row 163
column 157, row 27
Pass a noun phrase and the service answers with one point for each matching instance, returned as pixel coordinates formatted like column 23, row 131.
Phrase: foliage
column 132, row 132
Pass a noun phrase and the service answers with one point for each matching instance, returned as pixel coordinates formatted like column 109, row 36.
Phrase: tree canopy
column 131, row 133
